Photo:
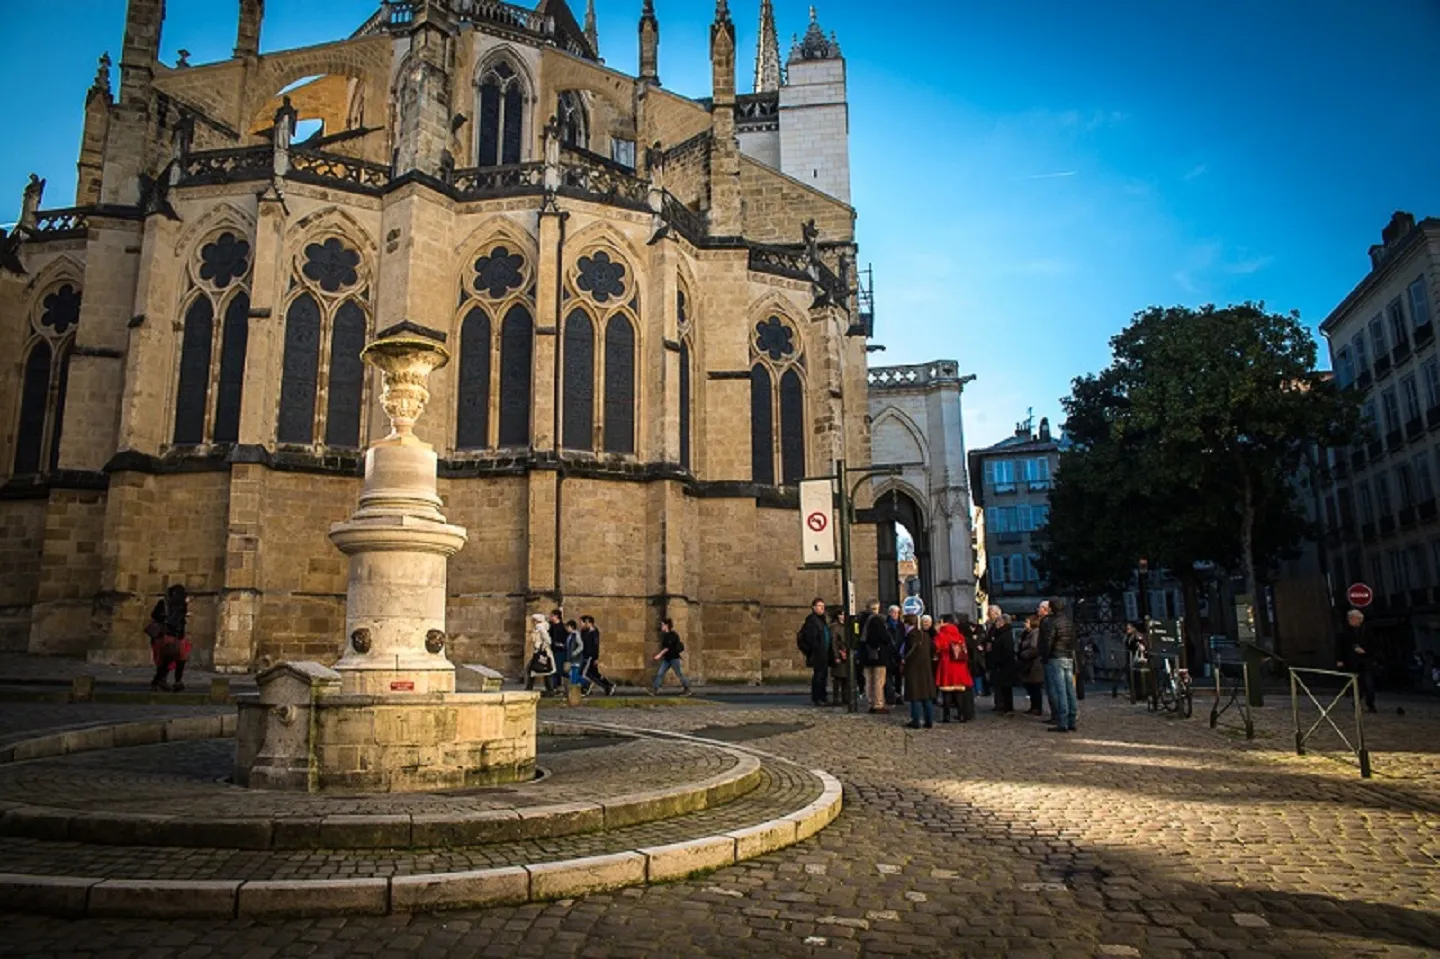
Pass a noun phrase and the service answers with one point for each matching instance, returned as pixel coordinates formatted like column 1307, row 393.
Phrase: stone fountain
column 386, row 717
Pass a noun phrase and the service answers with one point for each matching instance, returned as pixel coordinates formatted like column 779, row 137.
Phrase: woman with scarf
column 542, row 660
column 952, row 673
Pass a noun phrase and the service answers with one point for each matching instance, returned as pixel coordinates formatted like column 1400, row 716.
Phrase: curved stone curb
column 396, row 831
column 71, row 896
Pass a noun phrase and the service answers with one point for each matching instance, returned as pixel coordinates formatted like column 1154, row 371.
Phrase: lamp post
column 1144, row 580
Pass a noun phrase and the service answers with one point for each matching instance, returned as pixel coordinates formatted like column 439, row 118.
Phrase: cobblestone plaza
column 1141, row 836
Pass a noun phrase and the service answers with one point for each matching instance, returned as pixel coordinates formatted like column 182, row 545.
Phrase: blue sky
column 1028, row 174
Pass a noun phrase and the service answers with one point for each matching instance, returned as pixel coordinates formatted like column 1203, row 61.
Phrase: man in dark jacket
column 1057, row 640
column 1354, row 656
column 557, row 650
column 875, row 644
column 815, row 642
column 590, row 636
column 894, row 666
column 1000, row 641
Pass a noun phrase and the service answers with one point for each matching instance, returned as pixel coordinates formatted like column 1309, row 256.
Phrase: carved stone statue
column 30, row 201
column 286, row 119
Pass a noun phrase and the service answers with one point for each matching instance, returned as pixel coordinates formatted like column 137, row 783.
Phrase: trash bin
column 1254, row 658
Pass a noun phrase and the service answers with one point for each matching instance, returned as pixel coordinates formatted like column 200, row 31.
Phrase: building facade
column 1012, row 500
column 916, row 425
column 654, row 335
column 1380, row 514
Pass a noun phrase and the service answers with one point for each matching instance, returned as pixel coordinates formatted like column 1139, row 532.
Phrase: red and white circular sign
column 1360, row 595
column 817, row 522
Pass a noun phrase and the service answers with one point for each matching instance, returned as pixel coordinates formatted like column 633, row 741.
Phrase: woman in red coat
column 952, row 672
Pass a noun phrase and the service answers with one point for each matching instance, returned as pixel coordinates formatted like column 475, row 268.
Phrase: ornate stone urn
column 398, row 541
column 387, row 718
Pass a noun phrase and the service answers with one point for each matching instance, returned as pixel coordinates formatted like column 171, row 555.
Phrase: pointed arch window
column 619, row 427
column 214, row 338
column 578, row 431
column 517, row 351
column 762, row 427
column 501, row 112
column 44, row 378
column 322, row 385
column 193, row 388
column 496, row 350
column 777, row 404
column 472, row 418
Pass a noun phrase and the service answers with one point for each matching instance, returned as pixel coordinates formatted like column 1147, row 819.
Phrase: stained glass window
column 299, row 372
column 347, row 377
column 762, row 428
column 619, row 385
column 517, row 346
column 579, row 382
column 61, row 309
column 332, row 265
column 62, row 386
column 34, row 395
column 234, row 338
column 224, row 260
column 472, row 417
column 792, row 428
column 194, row 385
column 685, row 405
column 602, row 277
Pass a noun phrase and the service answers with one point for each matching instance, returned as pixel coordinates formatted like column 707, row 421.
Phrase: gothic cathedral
column 650, row 302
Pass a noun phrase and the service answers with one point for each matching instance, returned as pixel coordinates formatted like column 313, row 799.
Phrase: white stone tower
column 814, row 114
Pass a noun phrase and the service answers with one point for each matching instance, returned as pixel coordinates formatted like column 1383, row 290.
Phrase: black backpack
column 802, row 641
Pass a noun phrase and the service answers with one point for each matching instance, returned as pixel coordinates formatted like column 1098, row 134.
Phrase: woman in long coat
column 1000, row 658
column 920, row 673
column 953, row 677
column 542, row 660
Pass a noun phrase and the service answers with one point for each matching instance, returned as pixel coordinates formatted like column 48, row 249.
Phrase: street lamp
column 1144, row 580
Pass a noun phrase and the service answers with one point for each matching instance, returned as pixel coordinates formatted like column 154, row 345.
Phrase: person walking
column 815, row 641
column 841, row 646
column 542, row 660
column 590, row 639
column 169, row 644
column 1031, row 666
column 575, row 657
column 558, row 638
column 920, row 674
column 1354, row 656
column 875, row 645
column 1057, row 643
column 1000, row 641
column 953, row 679
column 671, row 649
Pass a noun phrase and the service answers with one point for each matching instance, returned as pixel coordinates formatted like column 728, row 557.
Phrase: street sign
column 912, row 606
column 1360, row 595
column 817, row 533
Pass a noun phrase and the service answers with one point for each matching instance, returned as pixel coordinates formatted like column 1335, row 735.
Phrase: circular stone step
column 175, row 794
column 786, row 805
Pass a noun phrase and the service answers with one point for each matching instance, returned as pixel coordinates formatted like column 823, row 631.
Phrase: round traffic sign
column 817, row 522
column 912, row 606
column 1360, row 595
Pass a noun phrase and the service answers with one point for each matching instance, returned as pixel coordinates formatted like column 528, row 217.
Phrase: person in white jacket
column 542, row 661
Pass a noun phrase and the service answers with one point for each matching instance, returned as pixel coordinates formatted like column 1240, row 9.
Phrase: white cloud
column 1196, row 172
column 1045, row 176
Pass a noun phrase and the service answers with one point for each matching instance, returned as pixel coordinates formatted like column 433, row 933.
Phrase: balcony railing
column 923, row 374
column 332, row 169
column 235, row 165
column 594, row 176
column 495, row 181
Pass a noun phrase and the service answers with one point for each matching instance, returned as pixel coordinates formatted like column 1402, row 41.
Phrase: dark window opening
column 194, row 385
column 579, row 382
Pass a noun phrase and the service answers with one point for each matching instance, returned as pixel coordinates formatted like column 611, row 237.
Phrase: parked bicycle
column 1172, row 689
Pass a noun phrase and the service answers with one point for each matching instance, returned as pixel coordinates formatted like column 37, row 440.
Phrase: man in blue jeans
column 1057, row 641
column 671, row 649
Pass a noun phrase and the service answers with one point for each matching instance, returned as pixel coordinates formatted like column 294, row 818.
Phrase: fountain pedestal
column 387, row 718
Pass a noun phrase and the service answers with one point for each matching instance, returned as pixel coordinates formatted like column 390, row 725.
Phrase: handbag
column 154, row 630
column 957, row 653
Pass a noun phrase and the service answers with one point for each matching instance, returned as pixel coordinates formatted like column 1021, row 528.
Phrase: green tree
column 1187, row 447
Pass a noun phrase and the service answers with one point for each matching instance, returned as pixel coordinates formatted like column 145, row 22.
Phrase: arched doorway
column 902, row 538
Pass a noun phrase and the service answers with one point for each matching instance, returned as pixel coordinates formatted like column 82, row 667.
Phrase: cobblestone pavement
column 27, row 720
column 192, row 774
column 1138, row 836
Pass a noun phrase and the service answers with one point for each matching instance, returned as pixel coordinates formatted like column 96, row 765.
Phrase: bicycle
column 1172, row 689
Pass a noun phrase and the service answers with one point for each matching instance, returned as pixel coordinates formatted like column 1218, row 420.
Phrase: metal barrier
column 1351, row 685
column 1232, row 678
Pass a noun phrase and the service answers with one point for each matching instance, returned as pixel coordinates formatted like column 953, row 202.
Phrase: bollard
column 572, row 694
column 82, row 689
column 1254, row 658
column 219, row 691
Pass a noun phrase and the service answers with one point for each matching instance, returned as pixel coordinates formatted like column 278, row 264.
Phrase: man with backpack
column 671, row 649
column 876, row 647
column 590, row 637
column 814, row 640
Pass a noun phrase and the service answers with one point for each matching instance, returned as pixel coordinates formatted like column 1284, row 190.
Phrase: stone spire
column 649, row 45
column 724, row 147
column 767, row 52
column 592, row 33
column 101, row 86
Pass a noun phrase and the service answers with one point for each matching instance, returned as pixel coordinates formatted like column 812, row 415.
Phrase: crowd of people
column 915, row 661
column 568, row 651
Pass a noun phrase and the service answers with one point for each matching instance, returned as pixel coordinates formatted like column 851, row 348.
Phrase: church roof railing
column 757, row 112
column 507, row 18
column 917, row 375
